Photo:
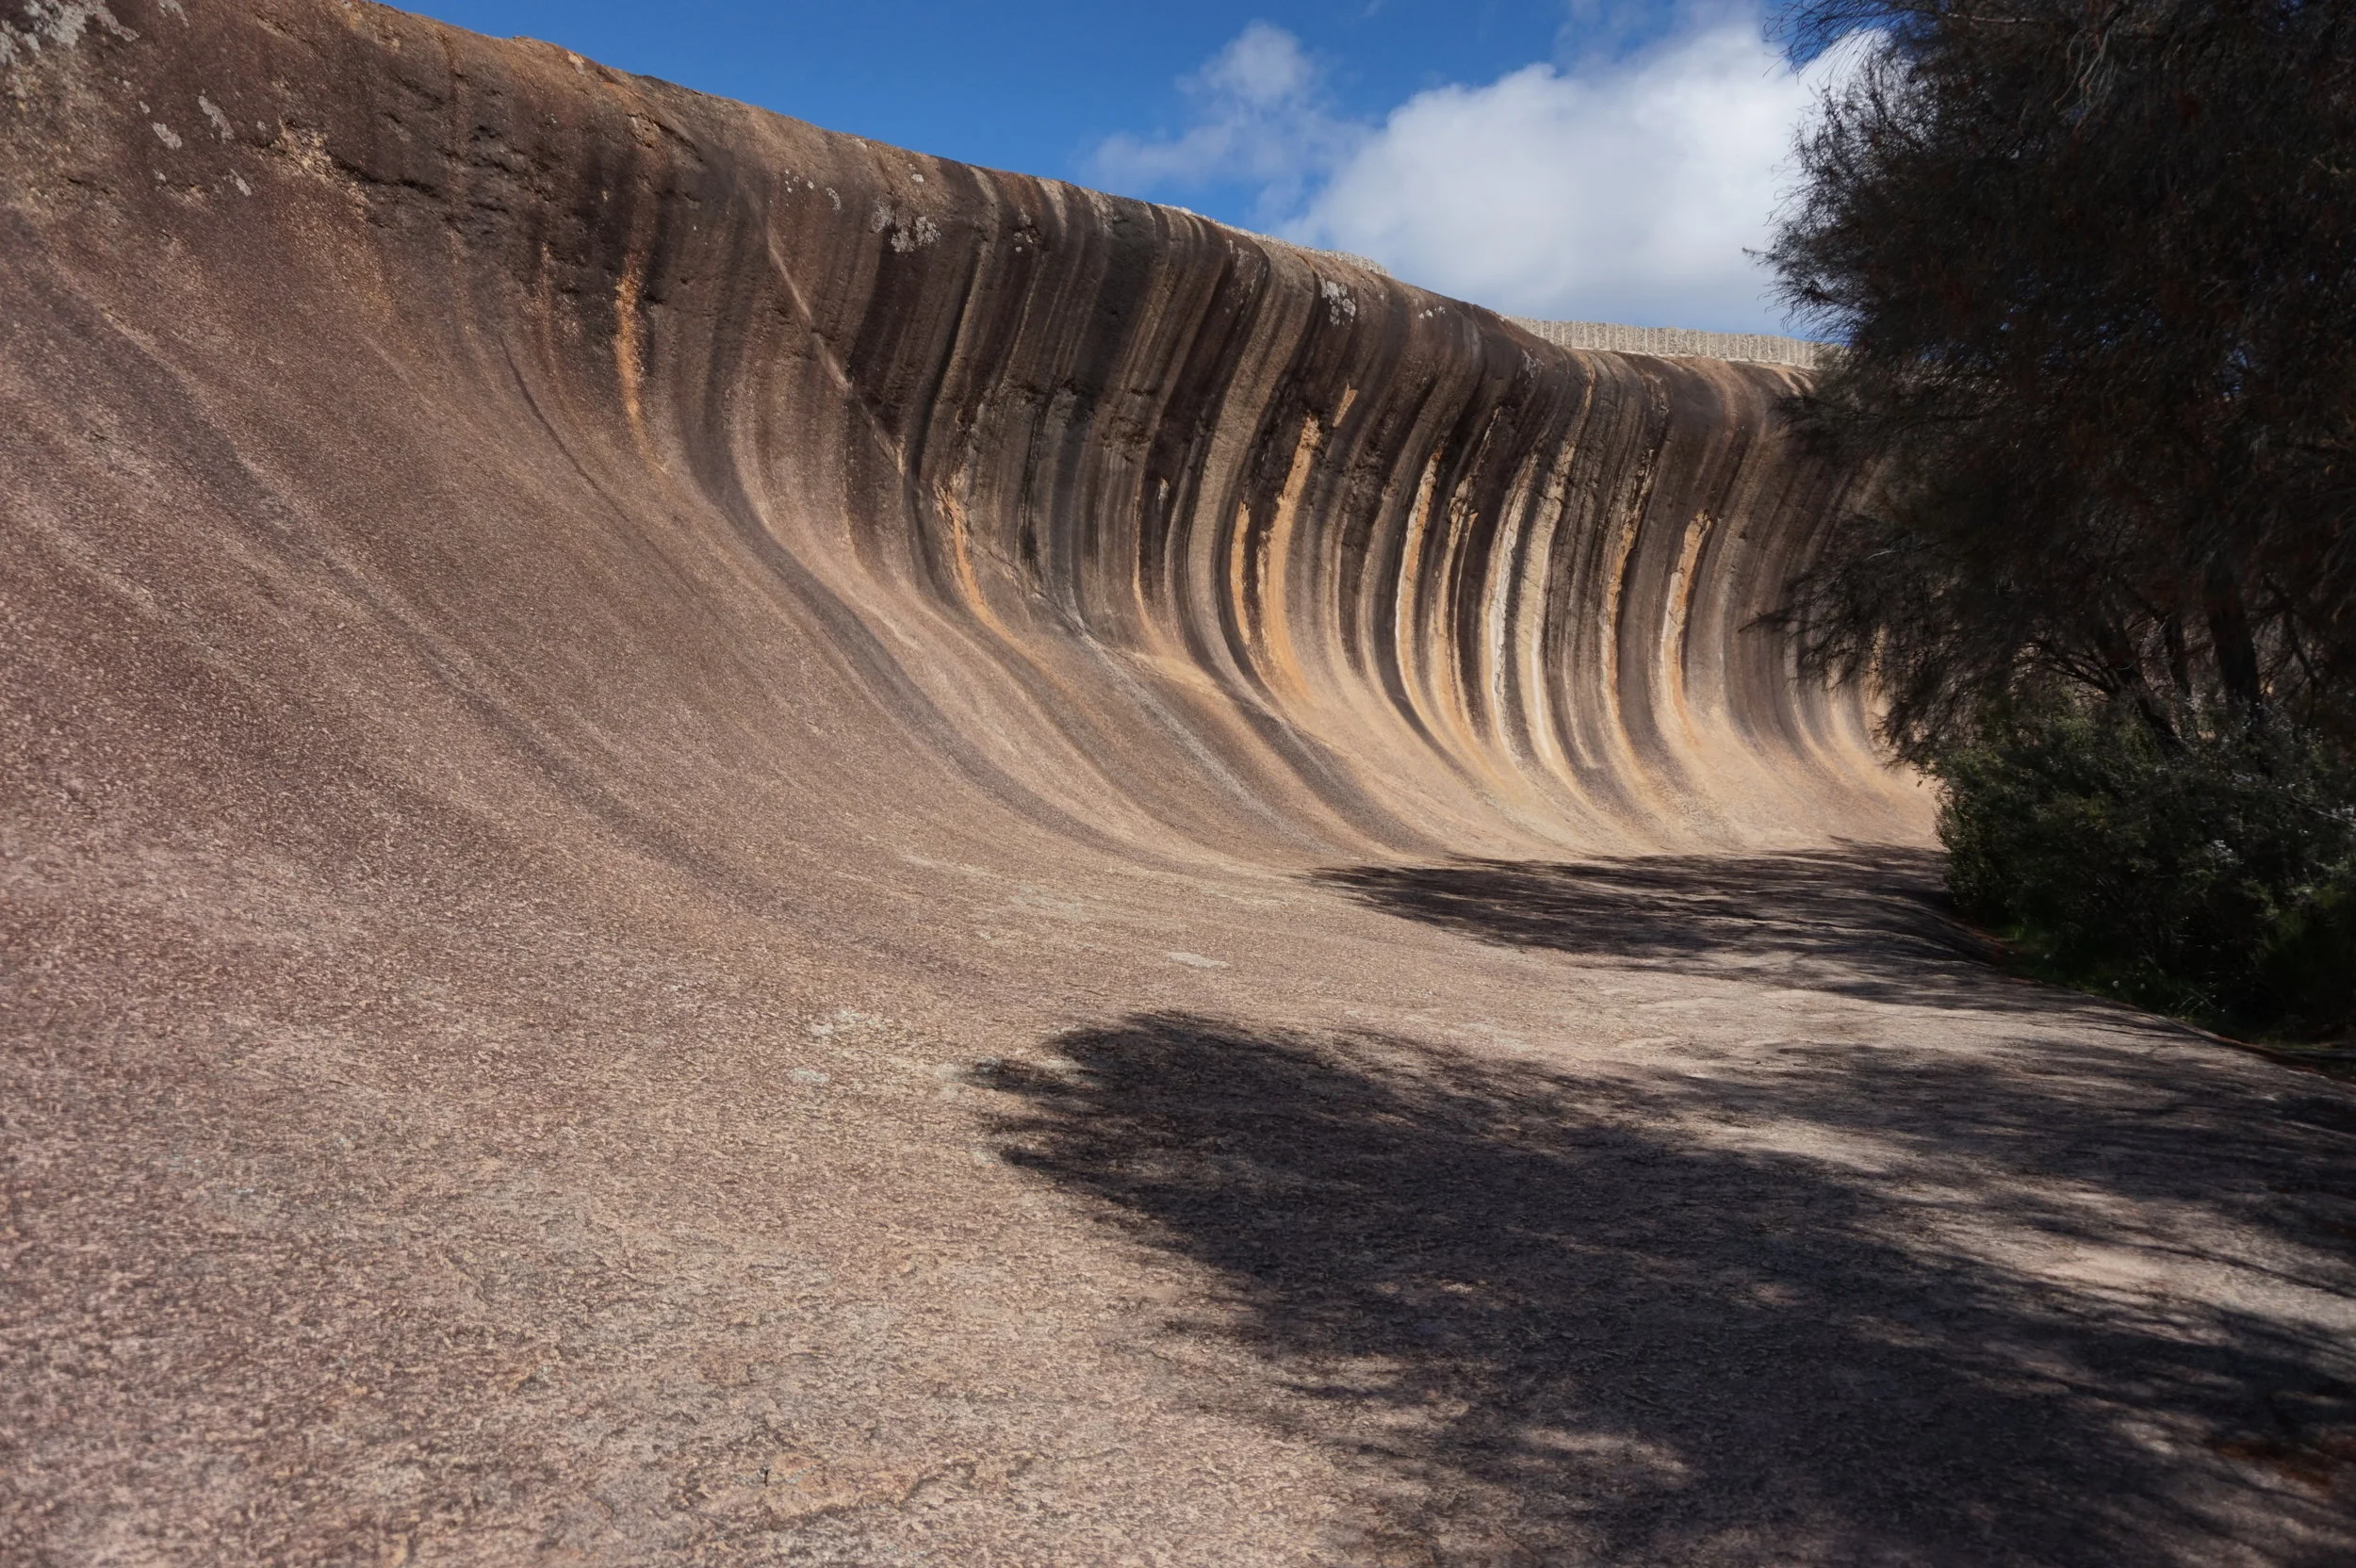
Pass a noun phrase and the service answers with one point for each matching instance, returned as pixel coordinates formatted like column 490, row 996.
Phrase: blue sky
column 1589, row 159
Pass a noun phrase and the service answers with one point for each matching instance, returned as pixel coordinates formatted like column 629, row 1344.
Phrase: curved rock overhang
column 394, row 409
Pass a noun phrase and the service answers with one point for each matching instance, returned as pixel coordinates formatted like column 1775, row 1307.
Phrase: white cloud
column 1260, row 116
column 1624, row 190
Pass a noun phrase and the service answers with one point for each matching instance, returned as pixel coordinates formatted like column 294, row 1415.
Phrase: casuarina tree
column 2094, row 263
column 2093, row 266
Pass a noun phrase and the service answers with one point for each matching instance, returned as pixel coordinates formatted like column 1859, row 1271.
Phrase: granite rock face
column 1148, row 524
column 723, row 845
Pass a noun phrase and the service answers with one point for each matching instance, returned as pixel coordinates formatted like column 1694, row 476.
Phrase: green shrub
column 2213, row 877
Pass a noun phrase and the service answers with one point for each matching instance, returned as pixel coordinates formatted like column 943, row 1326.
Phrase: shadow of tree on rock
column 1866, row 921
column 1549, row 1323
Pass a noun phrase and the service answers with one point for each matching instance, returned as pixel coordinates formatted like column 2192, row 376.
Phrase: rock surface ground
column 724, row 846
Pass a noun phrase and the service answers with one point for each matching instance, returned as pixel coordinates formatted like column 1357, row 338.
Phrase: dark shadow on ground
column 1872, row 922
column 1549, row 1323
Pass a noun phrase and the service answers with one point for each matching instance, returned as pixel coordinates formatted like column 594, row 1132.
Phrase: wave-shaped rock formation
column 728, row 845
column 1130, row 524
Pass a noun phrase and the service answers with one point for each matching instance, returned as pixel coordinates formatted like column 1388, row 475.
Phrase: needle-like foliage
column 2094, row 263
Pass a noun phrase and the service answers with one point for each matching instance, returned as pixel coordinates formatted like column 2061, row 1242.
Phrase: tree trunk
column 2230, row 638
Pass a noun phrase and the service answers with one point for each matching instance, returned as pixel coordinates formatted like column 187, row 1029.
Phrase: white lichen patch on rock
column 1339, row 305
column 907, row 231
column 307, row 150
column 58, row 22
